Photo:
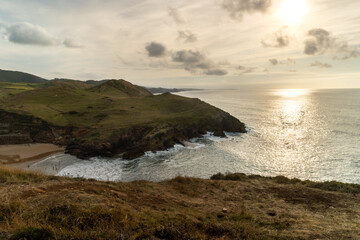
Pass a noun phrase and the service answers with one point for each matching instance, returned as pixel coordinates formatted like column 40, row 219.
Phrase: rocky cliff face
column 21, row 129
column 130, row 142
column 134, row 142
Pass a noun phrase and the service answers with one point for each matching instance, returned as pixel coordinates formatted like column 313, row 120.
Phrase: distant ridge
column 19, row 77
column 156, row 90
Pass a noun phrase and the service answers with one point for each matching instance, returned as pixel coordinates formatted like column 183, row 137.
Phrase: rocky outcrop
column 20, row 129
column 130, row 143
column 134, row 142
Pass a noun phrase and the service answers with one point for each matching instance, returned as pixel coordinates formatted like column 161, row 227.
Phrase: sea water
column 297, row 133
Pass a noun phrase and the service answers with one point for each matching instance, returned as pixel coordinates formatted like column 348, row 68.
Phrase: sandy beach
column 14, row 154
column 45, row 158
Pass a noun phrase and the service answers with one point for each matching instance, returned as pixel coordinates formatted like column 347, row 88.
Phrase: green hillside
column 115, row 117
column 120, row 88
column 19, row 77
column 7, row 89
column 111, row 105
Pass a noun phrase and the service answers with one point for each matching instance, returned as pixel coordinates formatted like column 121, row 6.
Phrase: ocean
column 297, row 133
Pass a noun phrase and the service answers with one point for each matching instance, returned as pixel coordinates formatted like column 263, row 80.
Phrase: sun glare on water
column 291, row 92
column 292, row 11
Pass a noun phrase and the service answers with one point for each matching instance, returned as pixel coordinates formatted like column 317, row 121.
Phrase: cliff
column 113, row 118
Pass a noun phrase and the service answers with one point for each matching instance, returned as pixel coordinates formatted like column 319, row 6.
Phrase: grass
column 106, row 107
column 10, row 176
column 19, row 77
column 32, row 233
column 328, row 185
column 9, row 89
column 43, row 207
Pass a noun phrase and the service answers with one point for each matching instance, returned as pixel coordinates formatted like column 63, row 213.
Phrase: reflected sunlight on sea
column 308, row 134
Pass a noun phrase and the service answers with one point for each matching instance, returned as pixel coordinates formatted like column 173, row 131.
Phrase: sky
column 203, row 44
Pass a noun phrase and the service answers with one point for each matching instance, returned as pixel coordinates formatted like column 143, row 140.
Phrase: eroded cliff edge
column 135, row 141
column 114, row 118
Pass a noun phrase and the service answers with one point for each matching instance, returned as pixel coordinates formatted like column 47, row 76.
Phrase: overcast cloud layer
column 215, row 44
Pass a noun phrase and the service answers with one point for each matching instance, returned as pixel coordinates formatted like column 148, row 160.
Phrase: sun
column 292, row 11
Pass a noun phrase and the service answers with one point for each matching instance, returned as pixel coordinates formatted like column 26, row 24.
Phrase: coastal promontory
column 109, row 119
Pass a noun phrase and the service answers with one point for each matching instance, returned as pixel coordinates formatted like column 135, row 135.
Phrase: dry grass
column 34, row 206
column 12, row 176
column 328, row 186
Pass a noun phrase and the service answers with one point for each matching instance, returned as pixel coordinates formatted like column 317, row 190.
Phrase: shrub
column 32, row 233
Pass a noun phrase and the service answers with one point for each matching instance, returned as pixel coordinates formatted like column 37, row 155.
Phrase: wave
column 112, row 169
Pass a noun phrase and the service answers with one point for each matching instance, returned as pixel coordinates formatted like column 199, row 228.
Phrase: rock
column 224, row 210
column 219, row 134
column 130, row 142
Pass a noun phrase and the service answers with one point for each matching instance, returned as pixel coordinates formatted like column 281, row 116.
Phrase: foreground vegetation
column 34, row 206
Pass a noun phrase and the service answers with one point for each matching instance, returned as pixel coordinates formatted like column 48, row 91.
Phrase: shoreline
column 20, row 153
column 31, row 156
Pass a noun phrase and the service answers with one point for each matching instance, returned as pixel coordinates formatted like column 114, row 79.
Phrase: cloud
column 288, row 61
column 224, row 63
column 30, row 34
column 237, row 8
column 320, row 64
column 71, row 43
column 244, row 70
column 3, row 26
column 155, row 49
column 278, row 39
column 27, row 33
column 320, row 41
column 187, row 36
column 347, row 52
column 174, row 13
column 274, row 61
column 217, row 72
column 196, row 62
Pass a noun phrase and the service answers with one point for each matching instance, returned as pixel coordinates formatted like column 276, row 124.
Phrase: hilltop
column 19, row 77
column 236, row 206
column 111, row 118
column 120, row 89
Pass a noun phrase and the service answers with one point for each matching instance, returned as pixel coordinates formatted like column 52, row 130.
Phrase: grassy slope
column 7, row 89
column 182, row 208
column 105, row 108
